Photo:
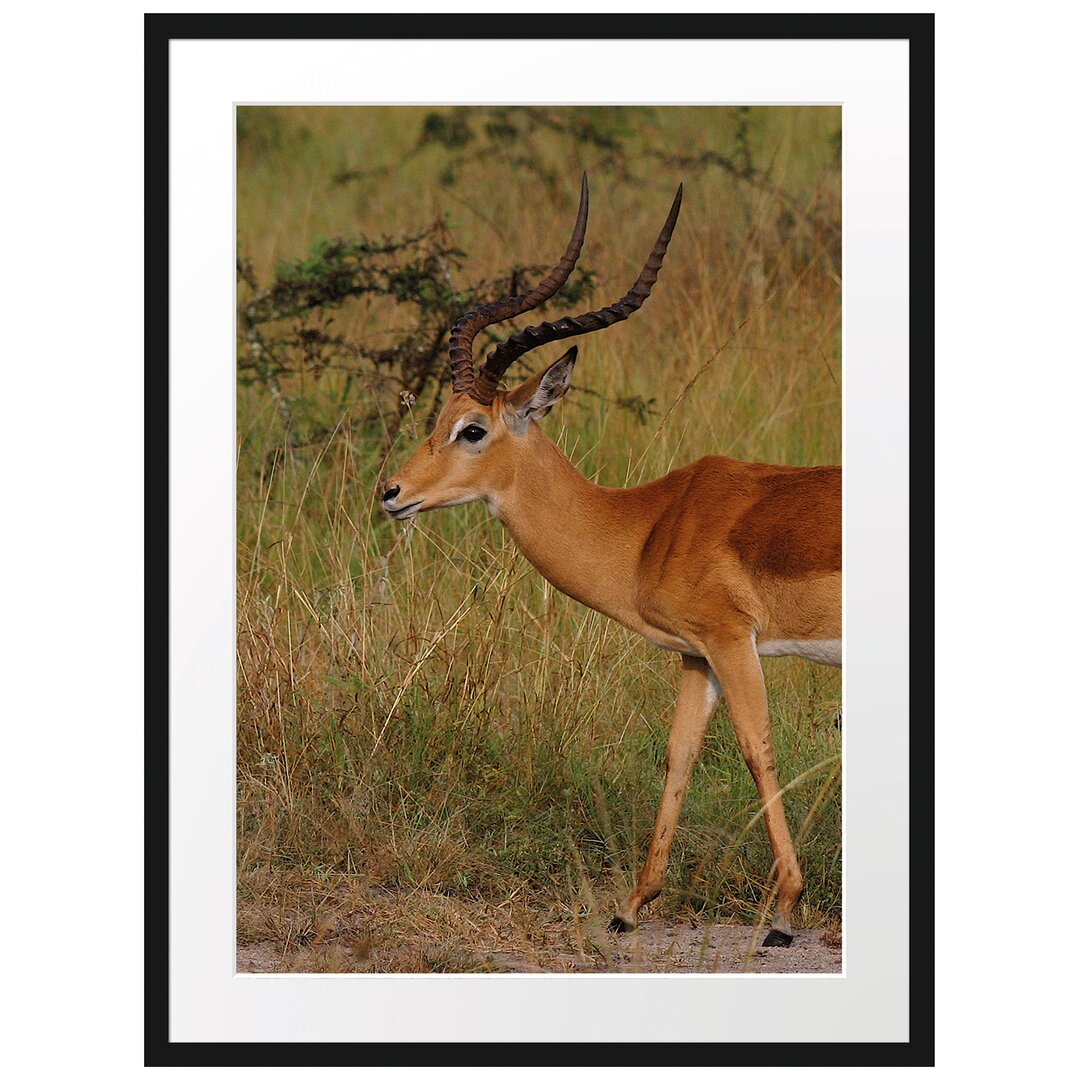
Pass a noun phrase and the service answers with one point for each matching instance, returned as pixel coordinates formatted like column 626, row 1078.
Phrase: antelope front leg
column 737, row 666
column 698, row 694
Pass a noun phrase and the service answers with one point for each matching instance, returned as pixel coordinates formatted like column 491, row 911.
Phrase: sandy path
column 658, row 946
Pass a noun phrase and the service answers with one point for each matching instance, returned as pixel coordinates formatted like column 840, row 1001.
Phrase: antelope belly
column 820, row 651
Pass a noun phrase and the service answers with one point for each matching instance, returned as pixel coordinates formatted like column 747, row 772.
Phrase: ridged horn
column 504, row 354
column 470, row 324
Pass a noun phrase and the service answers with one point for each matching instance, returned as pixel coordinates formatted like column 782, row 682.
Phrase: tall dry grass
column 419, row 711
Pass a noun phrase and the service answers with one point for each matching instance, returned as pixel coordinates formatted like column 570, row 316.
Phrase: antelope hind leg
column 737, row 665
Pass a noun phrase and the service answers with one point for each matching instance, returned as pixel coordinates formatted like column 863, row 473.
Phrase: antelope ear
column 534, row 397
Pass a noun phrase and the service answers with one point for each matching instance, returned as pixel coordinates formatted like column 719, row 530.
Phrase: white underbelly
column 819, row 651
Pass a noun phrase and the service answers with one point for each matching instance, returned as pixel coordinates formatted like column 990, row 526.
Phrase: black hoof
column 777, row 937
column 619, row 927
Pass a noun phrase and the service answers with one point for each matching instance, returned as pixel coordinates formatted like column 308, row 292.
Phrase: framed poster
column 407, row 782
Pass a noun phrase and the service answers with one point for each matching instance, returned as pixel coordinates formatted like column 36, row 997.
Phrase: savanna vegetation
column 442, row 760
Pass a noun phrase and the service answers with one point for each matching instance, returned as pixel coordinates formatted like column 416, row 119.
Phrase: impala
column 721, row 561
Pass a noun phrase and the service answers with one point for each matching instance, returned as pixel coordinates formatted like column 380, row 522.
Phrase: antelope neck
column 585, row 539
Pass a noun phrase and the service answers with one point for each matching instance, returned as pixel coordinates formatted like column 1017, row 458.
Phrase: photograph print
column 538, row 518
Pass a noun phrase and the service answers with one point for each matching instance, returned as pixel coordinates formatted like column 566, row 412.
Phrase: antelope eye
column 472, row 433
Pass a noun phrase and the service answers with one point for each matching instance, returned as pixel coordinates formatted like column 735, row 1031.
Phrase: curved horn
column 470, row 324
column 504, row 354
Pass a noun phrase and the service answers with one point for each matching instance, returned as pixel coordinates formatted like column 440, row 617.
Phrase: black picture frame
column 160, row 30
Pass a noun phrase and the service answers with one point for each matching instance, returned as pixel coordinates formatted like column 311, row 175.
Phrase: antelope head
column 482, row 435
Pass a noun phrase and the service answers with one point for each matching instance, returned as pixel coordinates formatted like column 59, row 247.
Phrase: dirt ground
column 376, row 931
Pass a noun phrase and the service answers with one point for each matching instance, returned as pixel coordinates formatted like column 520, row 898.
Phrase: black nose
column 389, row 493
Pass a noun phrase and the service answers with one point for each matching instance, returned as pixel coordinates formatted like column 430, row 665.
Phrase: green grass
column 427, row 713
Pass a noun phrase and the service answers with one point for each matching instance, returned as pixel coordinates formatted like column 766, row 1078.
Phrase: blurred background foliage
column 290, row 312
